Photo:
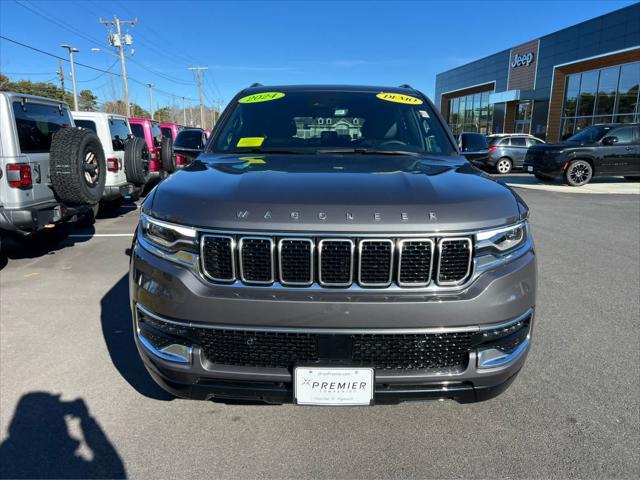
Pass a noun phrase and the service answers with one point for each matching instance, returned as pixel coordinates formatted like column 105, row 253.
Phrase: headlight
column 173, row 242
column 503, row 240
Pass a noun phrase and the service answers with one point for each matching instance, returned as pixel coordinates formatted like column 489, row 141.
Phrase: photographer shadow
column 41, row 445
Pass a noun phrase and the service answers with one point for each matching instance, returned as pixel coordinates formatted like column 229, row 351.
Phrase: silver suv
column 50, row 172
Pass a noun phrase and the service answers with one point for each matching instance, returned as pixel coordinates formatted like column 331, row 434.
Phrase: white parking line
column 90, row 235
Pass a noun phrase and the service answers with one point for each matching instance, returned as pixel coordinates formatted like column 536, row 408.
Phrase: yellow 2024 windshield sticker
column 399, row 98
column 261, row 97
column 250, row 142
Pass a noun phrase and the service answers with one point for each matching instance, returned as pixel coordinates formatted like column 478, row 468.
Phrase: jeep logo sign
column 522, row 60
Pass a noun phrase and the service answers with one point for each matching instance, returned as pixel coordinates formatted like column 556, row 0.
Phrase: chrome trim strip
column 390, row 278
column 168, row 356
column 344, row 331
column 232, row 247
column 311, row 252
column 484, row 363
column 271, row 249
column 429, row 274
column 468, row 272
column 329, row 284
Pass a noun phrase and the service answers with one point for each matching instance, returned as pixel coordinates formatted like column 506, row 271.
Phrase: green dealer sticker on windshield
column 261, row 97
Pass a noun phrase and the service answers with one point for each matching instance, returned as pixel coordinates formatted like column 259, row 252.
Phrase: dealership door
column 523, row 117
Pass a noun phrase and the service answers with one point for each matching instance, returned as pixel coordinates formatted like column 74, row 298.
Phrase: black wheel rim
column 146, row 162
column 579, row 173
column 91, row 168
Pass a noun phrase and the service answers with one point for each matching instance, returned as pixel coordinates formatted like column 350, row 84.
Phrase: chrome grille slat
column 375, row 262
column 296, row 261
column 335, row 262
column 217, row 252
column 454, row 264
column 256, row 260
column 415, row 262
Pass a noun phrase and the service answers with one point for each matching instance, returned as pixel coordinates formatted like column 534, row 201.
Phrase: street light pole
column 150, row 85
column 72, row 50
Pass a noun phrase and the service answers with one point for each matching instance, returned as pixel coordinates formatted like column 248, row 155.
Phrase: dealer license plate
column 333, row 386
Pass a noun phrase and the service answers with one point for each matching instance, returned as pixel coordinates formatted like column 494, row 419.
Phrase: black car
column 611, row 149
column 474, row 147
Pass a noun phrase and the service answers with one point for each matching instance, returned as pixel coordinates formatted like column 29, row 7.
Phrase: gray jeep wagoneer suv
column 330, row 246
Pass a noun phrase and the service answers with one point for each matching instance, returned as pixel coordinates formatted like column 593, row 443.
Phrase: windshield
column 327, row 122
column 591, row 134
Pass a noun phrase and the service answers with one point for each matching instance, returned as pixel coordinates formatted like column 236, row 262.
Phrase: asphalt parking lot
column 76, row 401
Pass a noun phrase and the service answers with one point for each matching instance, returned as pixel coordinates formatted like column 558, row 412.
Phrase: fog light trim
column 171, row 353
column 492, row 357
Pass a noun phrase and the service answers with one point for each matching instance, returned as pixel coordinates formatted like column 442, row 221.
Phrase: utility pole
column 190, row 115
column 72, row 50
column 198, row 68
column 61, row 77
column 150, row 85
column 118, row 41
column 184, row 112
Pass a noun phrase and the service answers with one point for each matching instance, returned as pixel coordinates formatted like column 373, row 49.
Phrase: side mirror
column 612, row 140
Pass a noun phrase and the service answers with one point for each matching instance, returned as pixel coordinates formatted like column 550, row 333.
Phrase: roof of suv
column 97, row 115
column 328, row 88
column 33, row 97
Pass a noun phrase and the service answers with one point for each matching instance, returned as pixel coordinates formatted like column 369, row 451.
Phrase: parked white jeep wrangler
column 50, row 171
column 127, row 159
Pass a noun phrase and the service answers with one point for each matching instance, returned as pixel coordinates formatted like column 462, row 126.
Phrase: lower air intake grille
column 376, row 262
column 416, row 260
column 336, row 262
column 256, row 260
column 455, row 260
column 385, row 351
column 218, row 258
column 296, row 261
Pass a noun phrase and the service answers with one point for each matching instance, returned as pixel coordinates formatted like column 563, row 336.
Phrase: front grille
column 376, row 262
column 385, row 351
column 256, row 260
column 337, row 262
column 455, row 260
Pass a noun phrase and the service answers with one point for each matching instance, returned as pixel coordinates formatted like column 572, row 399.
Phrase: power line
column 100, row 75
column 60, row 23
column 83, row 64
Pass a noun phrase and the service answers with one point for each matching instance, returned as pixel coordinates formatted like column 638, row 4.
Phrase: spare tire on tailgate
column 77, row 166
column 137, row 161
column 166, row 155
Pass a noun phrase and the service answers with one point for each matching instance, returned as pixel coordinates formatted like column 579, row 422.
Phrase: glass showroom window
column 601, row 96
column 471, row 113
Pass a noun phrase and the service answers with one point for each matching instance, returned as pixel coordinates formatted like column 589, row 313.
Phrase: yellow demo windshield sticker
column 261, row 97
column 399, row 98
column 250, row 142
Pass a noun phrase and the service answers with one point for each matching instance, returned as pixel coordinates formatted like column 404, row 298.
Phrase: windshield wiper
column 369, row 151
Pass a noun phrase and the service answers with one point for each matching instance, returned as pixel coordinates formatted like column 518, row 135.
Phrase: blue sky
column 358, row 42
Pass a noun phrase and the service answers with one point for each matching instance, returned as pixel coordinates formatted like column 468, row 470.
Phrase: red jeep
column 171, row 130
column 160, row 150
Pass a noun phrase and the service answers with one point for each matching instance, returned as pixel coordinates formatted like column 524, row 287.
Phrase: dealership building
column 551, row 86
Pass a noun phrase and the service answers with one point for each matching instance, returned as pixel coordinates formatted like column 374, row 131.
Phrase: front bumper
column 171, row 293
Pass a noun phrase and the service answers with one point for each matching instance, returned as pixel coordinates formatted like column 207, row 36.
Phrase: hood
column 341, row 193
